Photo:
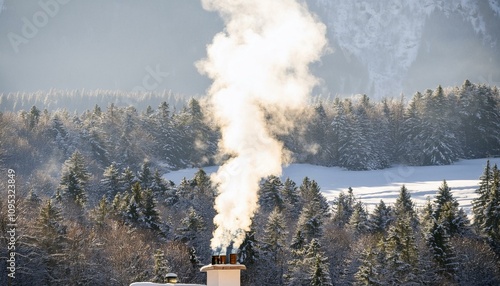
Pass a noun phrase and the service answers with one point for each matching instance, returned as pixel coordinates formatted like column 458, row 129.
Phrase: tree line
column 436, row 127
column 144, row 226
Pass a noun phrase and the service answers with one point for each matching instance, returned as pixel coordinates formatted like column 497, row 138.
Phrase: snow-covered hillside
column 387, row 36
column 372, row 186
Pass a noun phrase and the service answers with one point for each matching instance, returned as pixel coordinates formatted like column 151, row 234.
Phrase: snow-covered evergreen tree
column 404, row 205
column 145, row 175
column 483, row 192
column 74, row 180
column 447, row 212
column 110, row 183
column 442, row 251
column 402, row 254
column 161, row 268
column 358, row 221
column 343, row 207
column 151, row 216
column 491, row 224
column 270, row 194
column 380, row 219
column 274, row 249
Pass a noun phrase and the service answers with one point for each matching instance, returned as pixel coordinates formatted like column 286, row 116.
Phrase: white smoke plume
column 260, row 67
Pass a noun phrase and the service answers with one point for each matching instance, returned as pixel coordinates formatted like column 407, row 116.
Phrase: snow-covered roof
column 162, row 284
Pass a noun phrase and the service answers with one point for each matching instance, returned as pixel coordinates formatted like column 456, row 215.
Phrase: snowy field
column 372, row 186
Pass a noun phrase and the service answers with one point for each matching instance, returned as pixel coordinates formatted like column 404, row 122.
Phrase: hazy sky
column 154, row 45
column 93, row 44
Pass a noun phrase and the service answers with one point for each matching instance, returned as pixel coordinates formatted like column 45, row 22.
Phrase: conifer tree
column 127, row 180
column 74, row 179
column 191, row 226
column 111, row 181
column 367, row 273
column 160, row 269
column 447, row 211
column 359, row 219
column 491, row 224
column 402, row 252
column 49, row 224
column 309, row 267
column 404, row 204
column 150, row 214
column 343, row 207
column 483, row 192
column 270, row 194
column 275, row 234
column 310, row 193
column 145, row 175
column 380, row 219
column 291, row 198
column 51, row 237
column 202, row 183
column 135, row 205
column 101, row 211
column 311, row 220
column 273, row 249
column 442, row 250
column 414, row 125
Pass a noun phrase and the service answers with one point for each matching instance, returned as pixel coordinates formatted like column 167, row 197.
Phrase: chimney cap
column 223, row 267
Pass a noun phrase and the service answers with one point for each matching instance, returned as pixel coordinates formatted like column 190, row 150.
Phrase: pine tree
column 291, row 198
column 202, row 183
column 145, row 175
column 191, row 226
column 447, row 211
column 101, row 211
column 479, row 119
column 442, row 250
column 491, row 224
column 127, row 180
column 160, row 269
column 359, row 219
column 309, row 267
column 111, row 181
column 310, row 193
column 33, row 117
column 402, row 252
column 340, row 129
column 275, row 234
column 314, row 211
column 320, row 133
column 74, row 179
column 320, row 274
column 273, row 249
column 404, row 204
column 49, row 224
column 270, row 194
column 380, row 219
column 343, row 207
column 413, row 126
column 135, row 205
column 150, row 214
column 367, row 273
column 159, row 186
column 51, row 239
column 426, row 216
column 440, row 143
column 479, row 203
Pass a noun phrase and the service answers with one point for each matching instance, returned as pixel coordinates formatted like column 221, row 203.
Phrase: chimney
column 223, row 274
column 224, row 270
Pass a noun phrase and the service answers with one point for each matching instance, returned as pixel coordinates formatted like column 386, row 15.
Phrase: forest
column 94, row 208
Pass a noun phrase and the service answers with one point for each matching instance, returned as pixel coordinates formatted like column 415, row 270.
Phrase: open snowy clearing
column 372, row 186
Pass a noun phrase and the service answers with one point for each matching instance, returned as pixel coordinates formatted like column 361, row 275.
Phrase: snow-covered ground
column 372, row 186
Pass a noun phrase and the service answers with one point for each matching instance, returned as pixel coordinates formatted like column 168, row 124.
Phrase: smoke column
column 259, row 66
